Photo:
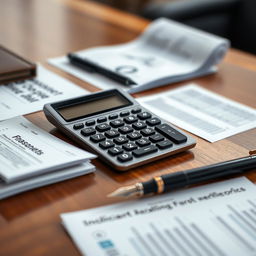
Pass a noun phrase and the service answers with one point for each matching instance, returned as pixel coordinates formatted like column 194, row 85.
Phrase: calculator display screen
column 91, row 107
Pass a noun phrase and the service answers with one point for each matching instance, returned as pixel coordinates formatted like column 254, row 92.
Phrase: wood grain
column 30, row 222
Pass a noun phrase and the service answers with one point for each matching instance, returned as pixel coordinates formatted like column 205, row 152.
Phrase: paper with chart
column 216, row 219
column 26, row 150
column 199, row 111
column 28, row 96
column 166, row 52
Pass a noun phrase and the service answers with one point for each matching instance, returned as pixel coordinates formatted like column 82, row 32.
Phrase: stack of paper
column 31, row 157
column 166, row 52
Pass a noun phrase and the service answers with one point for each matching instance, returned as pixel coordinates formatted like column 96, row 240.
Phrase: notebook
column 14, row 67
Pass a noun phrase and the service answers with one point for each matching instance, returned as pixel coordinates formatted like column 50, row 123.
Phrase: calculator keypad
column 130, row 134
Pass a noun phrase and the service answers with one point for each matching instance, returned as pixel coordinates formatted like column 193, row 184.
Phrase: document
column 10, row 189
column 216, row 219
column 28, row 96
column 26, row 150
column 166, row 52
column 199, row 111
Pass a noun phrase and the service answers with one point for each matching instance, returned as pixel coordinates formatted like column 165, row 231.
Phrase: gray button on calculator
column 115, row 151
column 88, row 131
column 97, row 138
column 171, row 133
column 112, row 133
column 106, row 144
column 78, row 126
column 124, row 157
column 145, row 151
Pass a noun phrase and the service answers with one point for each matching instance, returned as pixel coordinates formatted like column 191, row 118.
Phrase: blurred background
column 232, row 19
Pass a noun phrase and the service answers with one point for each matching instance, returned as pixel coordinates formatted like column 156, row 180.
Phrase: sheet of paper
column 14, row 188
column 216, row 219
column 29, row 96
column 199, row 111
column 26, row 150
column 166, row 52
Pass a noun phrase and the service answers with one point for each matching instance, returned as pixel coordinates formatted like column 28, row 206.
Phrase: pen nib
column 133, row 190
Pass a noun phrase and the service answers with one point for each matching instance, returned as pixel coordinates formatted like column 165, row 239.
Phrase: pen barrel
column 174, row 181
column 220, row 170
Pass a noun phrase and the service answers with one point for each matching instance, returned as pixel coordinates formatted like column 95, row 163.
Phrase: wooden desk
column 30, row 222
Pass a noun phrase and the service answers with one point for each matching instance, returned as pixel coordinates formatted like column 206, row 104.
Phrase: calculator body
column 114, row 126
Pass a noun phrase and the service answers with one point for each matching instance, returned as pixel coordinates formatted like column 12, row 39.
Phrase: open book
column 166, row 52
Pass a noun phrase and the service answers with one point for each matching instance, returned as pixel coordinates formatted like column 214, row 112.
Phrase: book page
column 199, row 111
column 26, row 150
column 215, row 219
column 28, row 96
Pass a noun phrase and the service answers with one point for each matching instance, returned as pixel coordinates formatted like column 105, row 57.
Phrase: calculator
column 114, row 126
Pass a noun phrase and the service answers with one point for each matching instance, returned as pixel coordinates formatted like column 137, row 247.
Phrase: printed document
column 166, row 52
column 216, row 219
column 28, row 96
column 26, row 150
column 199, row 111
column 10, row 189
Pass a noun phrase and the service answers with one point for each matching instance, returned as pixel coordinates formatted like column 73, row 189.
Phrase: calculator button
column 112, row 116
column 97, row 138
column 143, row 142
column 124, row 157
column 125, row 129
column 120, row 140
column 88, row 131
column 139, row 125
column 78, row 126
column 102, row 127
column 129, row 146
column 136, row 110
column 115, row 151
column 171, row 133
column 117, row 123
column 145, row 151
column 164, row 144
column 144, row 115
column 130, row 119
column 101, row 119
column 156, row 138
column 153, row 121
column 124, row 113
column 147, row 132
column 112, row 133
column 90, row 122
column 134, row 136
column 106, row 144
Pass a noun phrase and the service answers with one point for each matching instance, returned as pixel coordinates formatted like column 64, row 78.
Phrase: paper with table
column 204, row 113
column 26, row 152
column 216, row 219
column 28, row 96
column 166, row 52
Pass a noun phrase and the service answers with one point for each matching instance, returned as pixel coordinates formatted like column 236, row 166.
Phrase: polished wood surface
column 30, row 222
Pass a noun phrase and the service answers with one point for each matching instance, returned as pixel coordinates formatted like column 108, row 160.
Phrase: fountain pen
column 177, row 180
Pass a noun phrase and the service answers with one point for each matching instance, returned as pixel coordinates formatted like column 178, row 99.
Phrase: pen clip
column 252, row 152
